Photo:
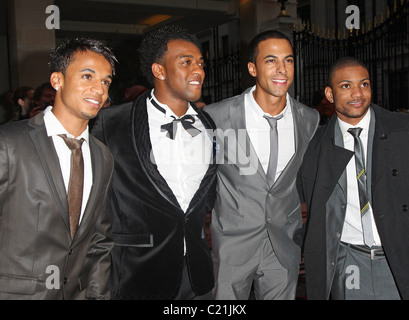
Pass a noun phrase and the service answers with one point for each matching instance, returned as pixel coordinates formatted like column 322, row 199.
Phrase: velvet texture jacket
column 149, row 226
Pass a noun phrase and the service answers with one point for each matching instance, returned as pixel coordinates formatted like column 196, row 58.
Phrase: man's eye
column 86, row 76
column 106, row 83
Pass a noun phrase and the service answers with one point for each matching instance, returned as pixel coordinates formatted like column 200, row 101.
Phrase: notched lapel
column 244, row 155
column 51, row 165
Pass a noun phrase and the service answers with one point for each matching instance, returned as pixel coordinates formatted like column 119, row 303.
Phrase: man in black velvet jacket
column 162, row 186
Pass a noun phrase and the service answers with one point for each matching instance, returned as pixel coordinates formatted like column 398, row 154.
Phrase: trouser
column 263, row 272
column 360, row 277
column 186, row 291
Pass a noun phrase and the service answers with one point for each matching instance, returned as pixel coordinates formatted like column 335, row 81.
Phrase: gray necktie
column 272, row 164
column 363, row 196
column 75, row 186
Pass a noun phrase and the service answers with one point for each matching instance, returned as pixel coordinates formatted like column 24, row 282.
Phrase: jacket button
column 382, row 136
column 70, row 251
column 268, row 220
column 395, row 172
column 404, row 208
column 65, row 280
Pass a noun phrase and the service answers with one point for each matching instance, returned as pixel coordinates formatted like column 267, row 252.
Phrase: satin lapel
column 249, row 163
column 143, row 150
column 210, row 174
column 51, row 165
column 97, row 168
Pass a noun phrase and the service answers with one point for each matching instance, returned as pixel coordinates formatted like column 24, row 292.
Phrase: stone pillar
column 260, row 15
column 30, row 42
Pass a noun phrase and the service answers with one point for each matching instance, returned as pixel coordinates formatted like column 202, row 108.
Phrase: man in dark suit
column 164, row 176
column 354, row 180
column 46, row 253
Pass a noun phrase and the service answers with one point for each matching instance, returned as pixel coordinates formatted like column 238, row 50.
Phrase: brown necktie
column 75, row 186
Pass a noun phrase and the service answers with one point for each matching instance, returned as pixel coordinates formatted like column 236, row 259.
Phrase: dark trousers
column 358, row 277
column 186, row 291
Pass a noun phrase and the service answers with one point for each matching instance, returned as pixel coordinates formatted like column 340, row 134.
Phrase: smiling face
column 273, row 68
column 83, row 88
column 180, row 74
column 351, row 93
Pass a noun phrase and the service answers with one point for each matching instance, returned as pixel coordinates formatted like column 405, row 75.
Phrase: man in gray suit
column 257, row 210
column 48, row 250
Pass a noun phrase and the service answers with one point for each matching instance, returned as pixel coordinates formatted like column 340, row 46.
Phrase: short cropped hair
column 62, row 55
column 155, row 45
column 266, row 35
column 343, row 63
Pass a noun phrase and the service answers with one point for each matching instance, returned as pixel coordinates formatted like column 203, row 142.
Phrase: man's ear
column 57, row 80
column 329, row 94
column 158, row 71
column 252, row 69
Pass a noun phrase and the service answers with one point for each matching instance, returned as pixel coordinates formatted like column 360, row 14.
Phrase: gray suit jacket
column 38, row 258
column 245, row 206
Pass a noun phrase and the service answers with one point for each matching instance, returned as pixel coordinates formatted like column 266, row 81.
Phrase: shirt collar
column 169, row 114
column 54, row 126
column 259, row 113
column 364, row 124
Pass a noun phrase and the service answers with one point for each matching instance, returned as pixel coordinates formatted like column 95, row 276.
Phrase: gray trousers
column 358, row 277
column 263, row 272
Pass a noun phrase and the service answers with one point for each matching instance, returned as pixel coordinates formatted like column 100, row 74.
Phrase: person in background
column 55, row 226
column 354, row 179
column 23, row 102
column 44, row 96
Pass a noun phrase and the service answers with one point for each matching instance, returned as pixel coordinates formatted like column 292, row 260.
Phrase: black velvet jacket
column 149, row 226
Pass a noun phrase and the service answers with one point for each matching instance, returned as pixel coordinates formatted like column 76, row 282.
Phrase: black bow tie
column 187, row 123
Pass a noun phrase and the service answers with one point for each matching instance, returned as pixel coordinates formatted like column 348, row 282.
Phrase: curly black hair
column 155, row 45
column 62, row 55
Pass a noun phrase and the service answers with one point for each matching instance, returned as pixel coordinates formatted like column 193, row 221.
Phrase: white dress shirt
column 258, row 130
column 352, row 231
column 54, row 128
column 184, row 161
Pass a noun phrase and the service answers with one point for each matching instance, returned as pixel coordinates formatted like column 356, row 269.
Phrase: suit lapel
column 50, row 164
column 245, row 150
column 97, row 168
column 143, row 149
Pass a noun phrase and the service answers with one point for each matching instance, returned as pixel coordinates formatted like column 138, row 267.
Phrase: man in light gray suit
column 257, row 210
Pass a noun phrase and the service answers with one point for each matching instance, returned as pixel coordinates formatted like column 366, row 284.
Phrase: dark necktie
column 76, row 183
column 272, row 164
column 187, row 123
column 361, row 177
